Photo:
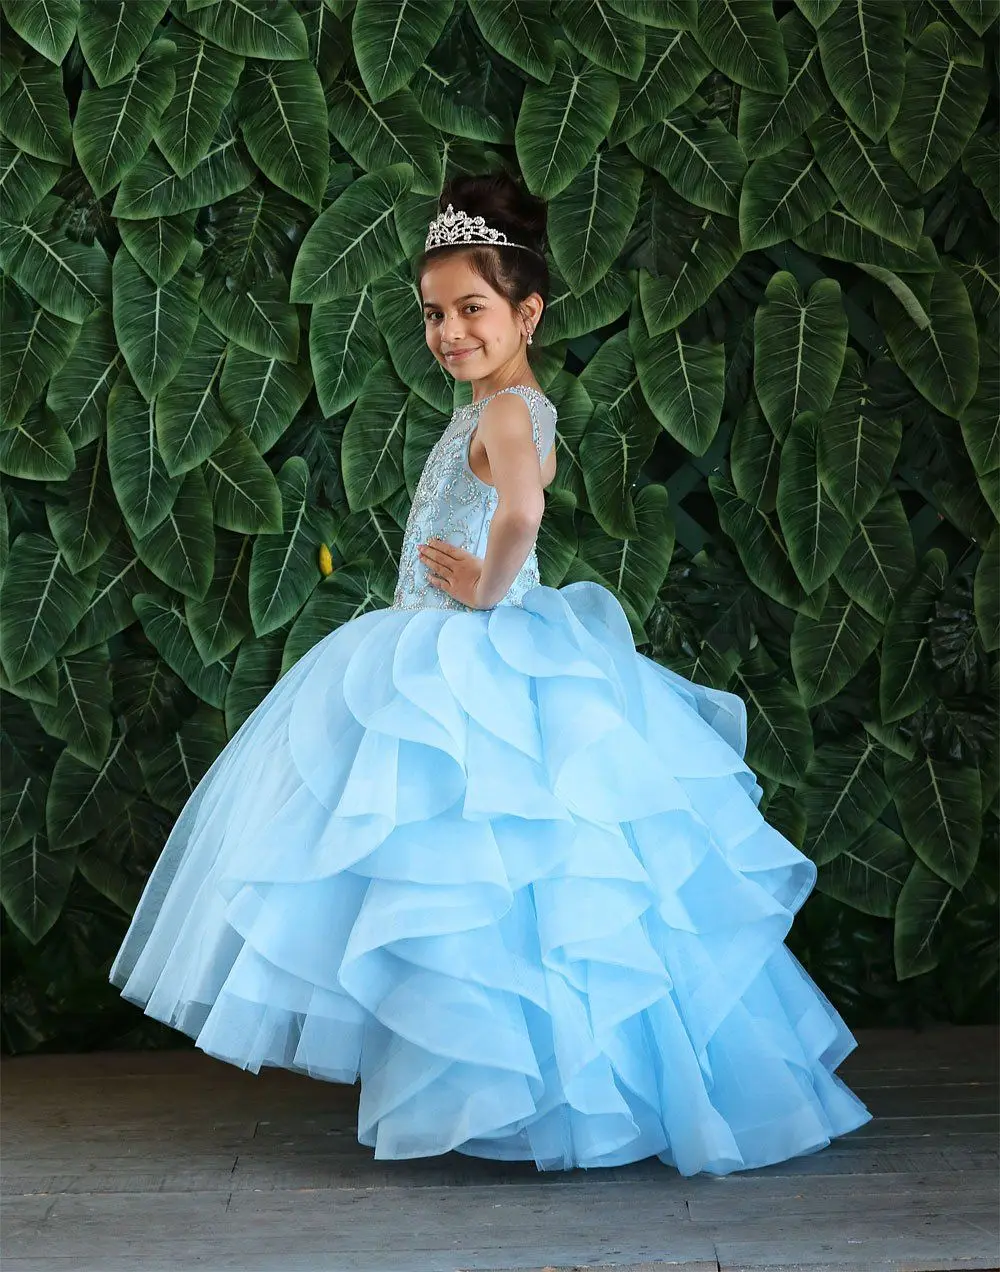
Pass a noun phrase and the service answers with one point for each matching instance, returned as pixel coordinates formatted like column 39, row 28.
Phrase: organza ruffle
column 512, row 875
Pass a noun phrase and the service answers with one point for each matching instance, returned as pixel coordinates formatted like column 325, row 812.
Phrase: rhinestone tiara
column 451, row 227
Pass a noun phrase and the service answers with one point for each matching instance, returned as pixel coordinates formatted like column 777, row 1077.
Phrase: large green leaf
column 284, row 567
column 879, row 559
column 81, row 714
column 869, row 875
column 520, row 31
column 698, row 254
column 120, row 574
column 906, row 660
column 779, row 736
column 83, row 798
column 36, row 880
column 66, row 277
column 980, row 421
column 754, row 453
column 282, row 115
column 36, row 344
column 257, row 669
column 743, row 40
column 561, row 123
column 258, row 316
column 353, row 241
column 167, row 631
column 782, row 194
column 939, row 807
column 113, row 126
column 348, row 593
column 220, row 620
column 868, row 181
column 179, row 547
column 391, row 38
column 41, row 600
column 190, row 423
column 269, row 30
column 828, row 651
column 941, row 358
column 34, row 113
column 160, row 244
column 47, row 25
column 82, row 512
column 114, row 34
column 206, row 79
column 37, row 448
column 603, row 35
column 589, row 222
column 78, row 392
column 843, row 793
column 683, row 382
column 382, row 135
column 144, row 489
column 861, row 44
column 634, row 568
column 612, row 452
column 244, row 492
column 173, row 771
column 943, row 99
column 699, row 159
column 673, row 69
column 799, row 349
column 24, row 180
column 841, row 236
column 155, row 324
column 398, row 310
column 919, row 928
column 568, row 315
column 682, row 14
column 769, row 121
column 266, row 394
column 816, row 533
column 859, row 440
column 25, row 776
column 372, row 452
column 987, row 594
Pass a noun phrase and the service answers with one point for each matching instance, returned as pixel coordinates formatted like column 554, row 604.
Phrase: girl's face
column 470, row 328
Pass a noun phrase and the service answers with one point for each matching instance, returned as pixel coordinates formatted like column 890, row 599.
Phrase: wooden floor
column 124, row 1162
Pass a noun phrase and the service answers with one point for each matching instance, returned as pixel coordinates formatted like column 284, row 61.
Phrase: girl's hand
column 452, row 570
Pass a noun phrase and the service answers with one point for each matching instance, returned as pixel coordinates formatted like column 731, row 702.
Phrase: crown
column 451, row 227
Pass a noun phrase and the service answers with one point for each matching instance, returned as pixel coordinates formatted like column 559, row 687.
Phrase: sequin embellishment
column 452, row 504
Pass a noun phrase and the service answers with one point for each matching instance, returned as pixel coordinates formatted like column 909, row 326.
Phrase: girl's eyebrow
column 470, row 296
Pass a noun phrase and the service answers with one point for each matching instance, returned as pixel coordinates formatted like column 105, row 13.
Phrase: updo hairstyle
column 505, row 205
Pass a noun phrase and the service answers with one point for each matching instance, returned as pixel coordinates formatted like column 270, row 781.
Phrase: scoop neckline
column 482, row 401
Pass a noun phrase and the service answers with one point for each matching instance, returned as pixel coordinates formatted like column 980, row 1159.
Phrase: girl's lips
column 459, row 353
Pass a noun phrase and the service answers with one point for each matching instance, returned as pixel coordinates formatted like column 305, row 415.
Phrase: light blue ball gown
column 508, row 872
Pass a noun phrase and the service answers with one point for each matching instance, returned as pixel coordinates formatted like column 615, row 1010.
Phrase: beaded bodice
column 451, row 503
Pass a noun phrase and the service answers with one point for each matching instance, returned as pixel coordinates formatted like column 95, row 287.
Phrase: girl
column 476, row 851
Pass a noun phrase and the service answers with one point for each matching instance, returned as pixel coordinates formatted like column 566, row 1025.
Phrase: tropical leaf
column 24, row 181
column 673, row 69
column 48, row 26
column 589, row 222
column 245, row 495
column 351, row 591
column 353, row 241
column 561, row 123
column 869, row 875
column 160, row 245
column 906, row 667
column 744, row 42
column 283, row 120
column 859, row 440
column 283, row 569
column 155, row 324
column 114, row 34
column 703, row 251
column 843, row 792
column 604, row 35
column 943, row 99
column 769, row 121
column 113, row 126
column 180, row 545
column 220, row 620
column 36, row 881
column 267, row 393
column 206, row 78
column 66, row 277
column 78, row 392
column 699, row 159
column 391, row 38
column 782, row 194
column 257, row 669
column 842, row 237
column 42, row 600
column 380, row 136
column 83, row 798
column 568, row 315
column 167, row 631
column 987, row 594
column 190, row 422
column 816, row 533
column 779, row 736
column 861, row 46
column 37, row 345
column 174, row 770
column 879, row 559
column 939, row 808
column 372, row 454
column 634, row 568
column 980, row 163
column 918, row 930
column 81, row 714
column 827, row 652
column 82, row 512
column 682, row 381
column 754, row 453
column 520, row 31
column 34, row 113
column 269, row 30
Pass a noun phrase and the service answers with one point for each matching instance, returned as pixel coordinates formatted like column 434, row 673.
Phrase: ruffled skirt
column 511, row 874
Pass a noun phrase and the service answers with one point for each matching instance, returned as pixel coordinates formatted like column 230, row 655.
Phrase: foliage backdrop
column 772, row 340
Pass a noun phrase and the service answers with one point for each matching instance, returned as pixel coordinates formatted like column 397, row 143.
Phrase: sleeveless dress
column 507, row 873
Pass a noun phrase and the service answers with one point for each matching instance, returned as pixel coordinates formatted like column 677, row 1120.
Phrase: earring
column 529, row 335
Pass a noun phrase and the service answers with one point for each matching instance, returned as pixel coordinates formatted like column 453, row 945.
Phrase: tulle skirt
column 511, row 875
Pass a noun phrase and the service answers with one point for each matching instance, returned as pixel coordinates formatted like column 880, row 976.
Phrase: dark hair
column 506, row 205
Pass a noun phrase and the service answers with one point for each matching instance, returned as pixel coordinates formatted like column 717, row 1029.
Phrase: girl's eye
column 434, row 314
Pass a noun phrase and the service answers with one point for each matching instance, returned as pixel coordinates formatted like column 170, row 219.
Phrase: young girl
column 477, row 851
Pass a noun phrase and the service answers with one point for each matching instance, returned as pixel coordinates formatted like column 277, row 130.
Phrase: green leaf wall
column 772, row 339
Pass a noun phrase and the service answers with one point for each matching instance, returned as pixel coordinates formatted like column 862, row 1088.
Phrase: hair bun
column 503, row 203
